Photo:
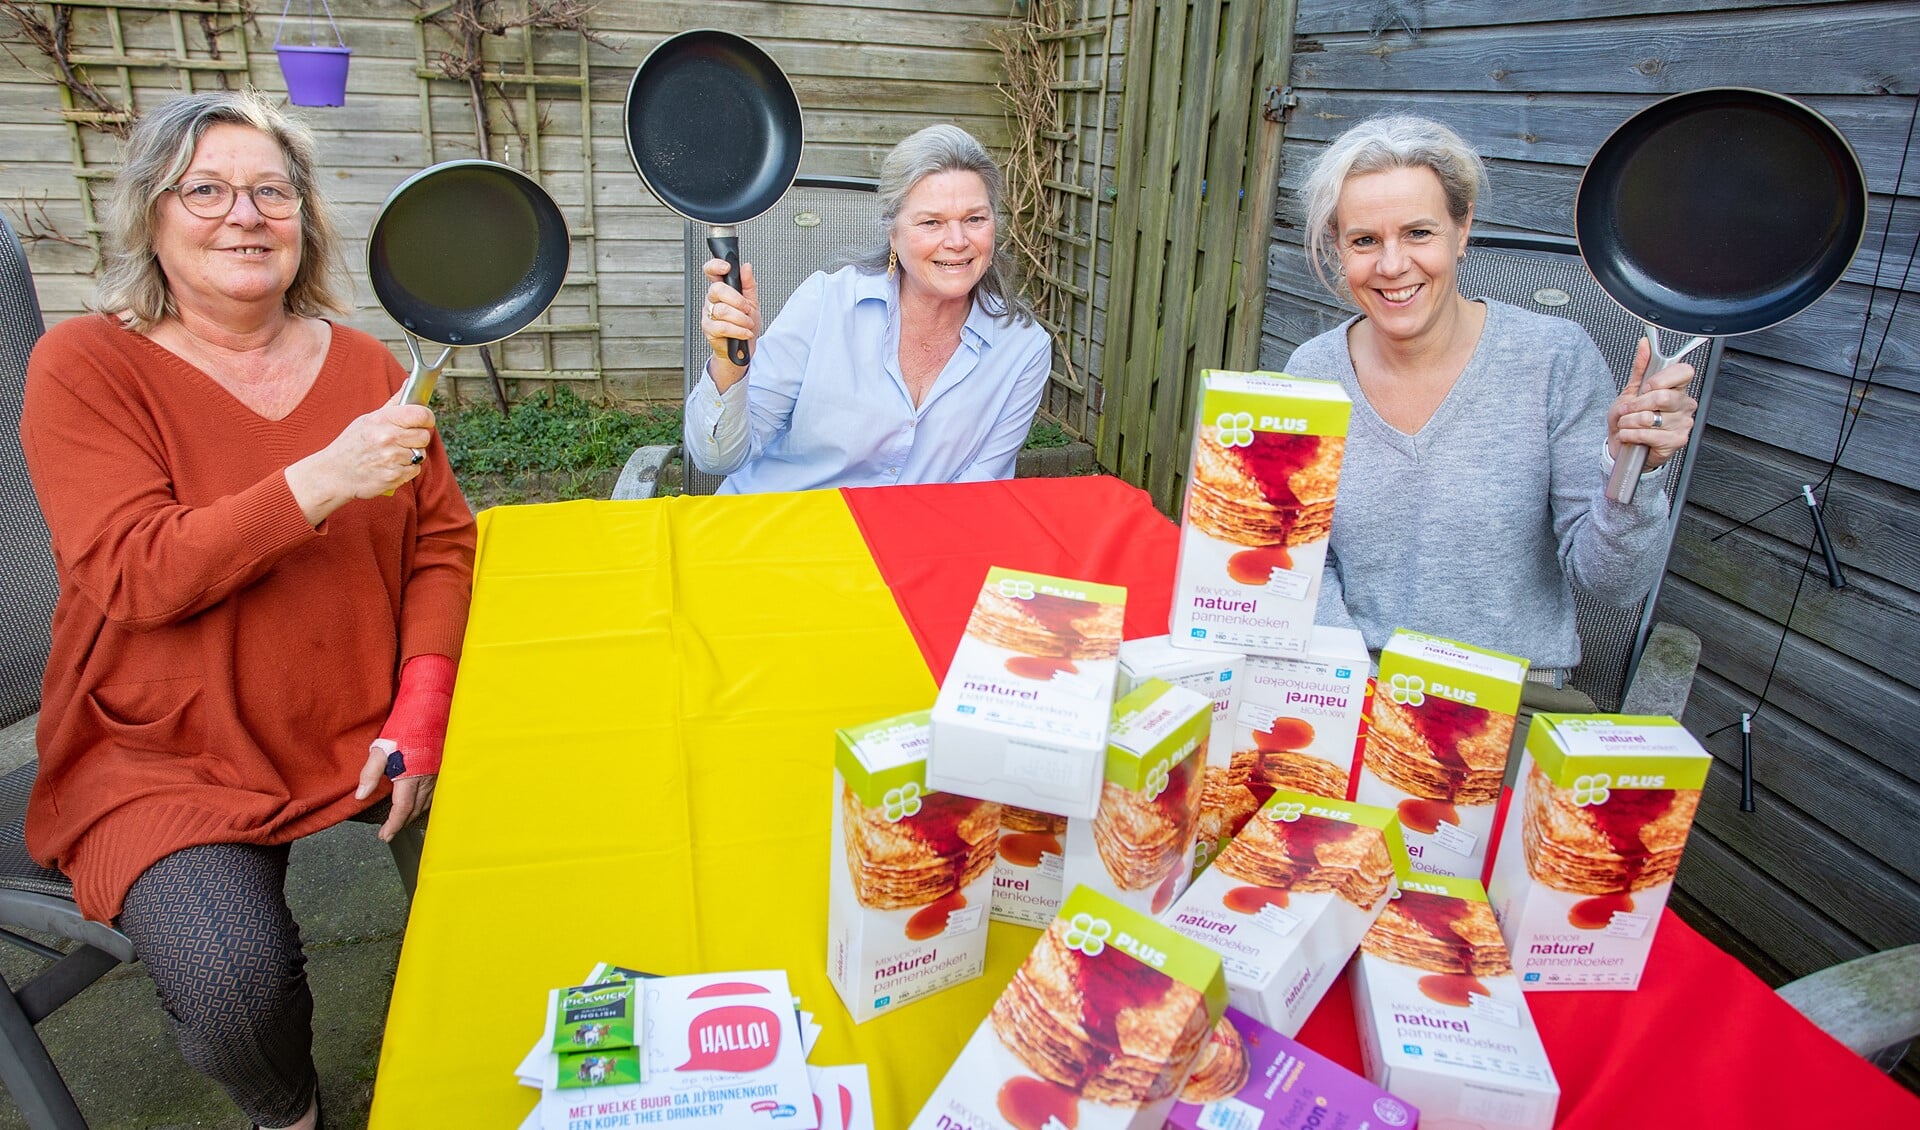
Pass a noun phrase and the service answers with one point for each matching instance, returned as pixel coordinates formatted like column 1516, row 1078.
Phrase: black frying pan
column 465, row 253
column 1717, row 212
column 714, row 131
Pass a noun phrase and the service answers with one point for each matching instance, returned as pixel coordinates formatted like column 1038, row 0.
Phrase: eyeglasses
column 213, row 199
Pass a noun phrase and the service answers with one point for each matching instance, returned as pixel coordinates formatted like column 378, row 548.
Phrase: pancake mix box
column 910, row 872
column 1098, row 1029
column 1028, row 866
column 1287, row 902
column 1022, row 717
column 1593, row 837
column 1259, row 507
column 1138, row 849
column 1300, row 718
column 1437, row 743
column 1218, row 675
column 1443, row 1022
column 1250, row 1077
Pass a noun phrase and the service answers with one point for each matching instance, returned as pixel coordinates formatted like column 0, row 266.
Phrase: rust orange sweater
column 218, row 665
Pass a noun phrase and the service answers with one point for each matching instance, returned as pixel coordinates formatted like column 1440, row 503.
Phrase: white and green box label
column 1156, row 727
column 1241, row 404
column 1414, row 665
column 1015, row 585
column 1095, row 923
column 1595, row 754
column 1445, row 886
column 884, row 763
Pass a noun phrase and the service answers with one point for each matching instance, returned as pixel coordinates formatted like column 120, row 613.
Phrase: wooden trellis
column 109, row 46
column 519, row 65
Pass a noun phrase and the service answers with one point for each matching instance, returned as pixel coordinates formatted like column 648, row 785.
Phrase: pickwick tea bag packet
column 1436, row 746
column 1258, row 509
column 1138, row 848
column 1097, row 1030
column 1028, row 866
column 1299, row 718
column 910, row 872
column 1250, row 1077
column 1593, row 836
column 1022, row 716
column 603, row 1015
column 1218, row 675
column 1287, row 902
column 1443, row 1022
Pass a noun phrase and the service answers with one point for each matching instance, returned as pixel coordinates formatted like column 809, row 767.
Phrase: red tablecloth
column 1702, row 1042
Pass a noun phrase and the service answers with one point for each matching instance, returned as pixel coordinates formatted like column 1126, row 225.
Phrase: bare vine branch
column 38, row 227
column 1033, row 106
column 52, row 35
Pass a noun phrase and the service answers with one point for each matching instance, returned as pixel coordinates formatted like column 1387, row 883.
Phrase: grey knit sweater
column 1479, row 526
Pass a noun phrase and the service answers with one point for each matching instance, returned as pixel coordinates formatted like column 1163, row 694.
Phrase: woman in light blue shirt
column 912, row 363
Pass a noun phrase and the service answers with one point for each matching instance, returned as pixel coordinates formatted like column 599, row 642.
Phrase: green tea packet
column 596, row 1018
column 607, row 1068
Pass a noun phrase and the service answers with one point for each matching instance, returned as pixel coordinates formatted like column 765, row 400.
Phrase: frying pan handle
column 420, row 382
column 1633, row 456
column 723, row 244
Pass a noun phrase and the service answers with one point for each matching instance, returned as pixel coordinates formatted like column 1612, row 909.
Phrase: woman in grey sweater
column 1473, row 492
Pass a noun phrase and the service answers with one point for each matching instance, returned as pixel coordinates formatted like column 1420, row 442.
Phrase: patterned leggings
column 213, row 927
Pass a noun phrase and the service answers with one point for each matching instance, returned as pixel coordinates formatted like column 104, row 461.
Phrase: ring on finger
column 1659, row 421
column 418, row 455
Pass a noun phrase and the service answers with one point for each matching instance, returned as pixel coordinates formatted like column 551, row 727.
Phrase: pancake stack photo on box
column 910, row 872
column 1289, row 899
column 1022, row 716
column 1443, row 1022
column 1098, row 1030
column 1593, row 837
column 1299, row 718
column 1138, row 848
column 1028, row 866
column 1258, row 510
column 1437, row 745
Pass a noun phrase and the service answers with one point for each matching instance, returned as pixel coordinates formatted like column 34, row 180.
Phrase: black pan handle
column 723, row 244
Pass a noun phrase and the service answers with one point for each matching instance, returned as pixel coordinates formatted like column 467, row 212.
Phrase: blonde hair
column 158, row 152
column 1377, row 145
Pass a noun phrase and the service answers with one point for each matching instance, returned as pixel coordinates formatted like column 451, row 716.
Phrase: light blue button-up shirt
column 823, row 403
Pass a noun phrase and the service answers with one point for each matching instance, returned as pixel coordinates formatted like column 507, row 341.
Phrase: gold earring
column 893, row 263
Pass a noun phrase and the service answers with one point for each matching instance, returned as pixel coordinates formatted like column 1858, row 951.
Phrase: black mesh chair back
column 1546, row 275
column 33, row 900
column 816, row 222
column 27, row 585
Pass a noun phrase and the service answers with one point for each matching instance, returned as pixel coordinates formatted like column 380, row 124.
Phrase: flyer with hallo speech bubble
column 722, row 1049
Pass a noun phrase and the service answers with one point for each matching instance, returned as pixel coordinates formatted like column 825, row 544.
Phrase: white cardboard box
column 910, row 875
column 1437, row 746
column 1288, row 901
column 1459, row 1045
column 1022, row 717
column 1593, row 837
column 1258, row 508
column 1299, row 718
column 1138, row 849
column 1053, row 1045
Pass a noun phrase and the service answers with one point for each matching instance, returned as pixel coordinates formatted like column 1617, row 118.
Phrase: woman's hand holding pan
column 728, row 315
column 373, row 456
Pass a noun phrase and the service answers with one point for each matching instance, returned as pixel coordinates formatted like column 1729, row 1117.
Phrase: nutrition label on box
column 1494, row 1064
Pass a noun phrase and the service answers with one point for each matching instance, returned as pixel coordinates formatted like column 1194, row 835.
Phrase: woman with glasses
column 264, row 569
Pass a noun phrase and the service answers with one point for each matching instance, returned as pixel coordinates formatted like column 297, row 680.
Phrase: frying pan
column 713, row 128
column 1717, row 212
column 465, row 253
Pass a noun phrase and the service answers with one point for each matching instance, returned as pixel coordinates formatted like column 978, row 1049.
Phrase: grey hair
column 158, row 151
column 1378, row 145
column 945, row 149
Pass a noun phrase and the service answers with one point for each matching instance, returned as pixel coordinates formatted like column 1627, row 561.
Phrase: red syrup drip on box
column 1027, row 1103
column 1445, row 724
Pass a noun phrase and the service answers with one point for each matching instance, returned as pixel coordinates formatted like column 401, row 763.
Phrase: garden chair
column 1871, row 1004
column 819, row 219
column 1628, row 663
column 33, row 899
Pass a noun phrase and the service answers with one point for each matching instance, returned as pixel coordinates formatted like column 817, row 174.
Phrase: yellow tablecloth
column 639, row 770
